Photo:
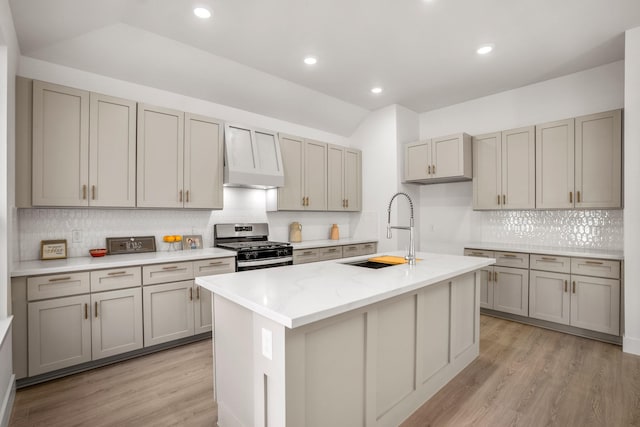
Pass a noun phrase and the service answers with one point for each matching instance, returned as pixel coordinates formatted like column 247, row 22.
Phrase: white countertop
column 548, row 250
column 324, row 243
column 29, row 268
column 300, row 294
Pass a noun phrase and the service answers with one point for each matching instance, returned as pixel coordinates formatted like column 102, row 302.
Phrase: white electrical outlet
column 76, row 236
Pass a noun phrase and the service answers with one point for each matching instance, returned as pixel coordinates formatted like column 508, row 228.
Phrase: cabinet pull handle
column 347, row 203
column 96, row 307
column 116, row 273
column 86, row 310
column 198, row 292
column 570, row 196
column 510, row 256
column 84, row 192
column 566, row 282
column 187, row 196
column 190, row 294
column 60, row 279
column 546, row 258
column 180, row 196
column 307, row 252
column 488, row 276
column 93, row 192
column 504, row 199
column 495, row 276
column 498, row 199
column 302, row 200
column 429, row 170
column 170, row 267
column 476, row 253
column 578, row 196
column 215, row 263
column 594, row 262
column 433, row 169
column 574, row 286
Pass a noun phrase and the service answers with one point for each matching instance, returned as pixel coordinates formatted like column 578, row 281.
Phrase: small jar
column 335, row 233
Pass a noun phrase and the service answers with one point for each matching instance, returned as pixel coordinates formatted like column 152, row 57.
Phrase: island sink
column 368, row 264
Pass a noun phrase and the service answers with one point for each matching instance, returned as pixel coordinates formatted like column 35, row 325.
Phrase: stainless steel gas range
column 252, row 246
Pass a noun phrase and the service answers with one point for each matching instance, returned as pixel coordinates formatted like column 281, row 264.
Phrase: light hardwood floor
column 525, row 376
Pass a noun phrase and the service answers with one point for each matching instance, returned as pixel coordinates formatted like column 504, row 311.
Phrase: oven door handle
column 264, row 262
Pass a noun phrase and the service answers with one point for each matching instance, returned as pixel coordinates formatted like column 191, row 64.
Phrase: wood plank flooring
column 525, row 376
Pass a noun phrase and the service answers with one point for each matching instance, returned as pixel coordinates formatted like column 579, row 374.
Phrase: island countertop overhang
column 297, row 295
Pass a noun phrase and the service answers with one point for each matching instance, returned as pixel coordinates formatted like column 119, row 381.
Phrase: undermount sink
column 368, row 264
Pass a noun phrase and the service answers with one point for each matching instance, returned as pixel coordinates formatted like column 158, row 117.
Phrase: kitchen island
column 335, row 344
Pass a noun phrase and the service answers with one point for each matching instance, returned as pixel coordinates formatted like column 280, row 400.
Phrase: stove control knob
column 253, row 255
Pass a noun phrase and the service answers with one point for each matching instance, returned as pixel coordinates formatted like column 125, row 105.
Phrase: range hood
column 252, row 158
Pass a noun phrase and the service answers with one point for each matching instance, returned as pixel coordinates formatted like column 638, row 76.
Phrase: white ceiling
column 249, row 55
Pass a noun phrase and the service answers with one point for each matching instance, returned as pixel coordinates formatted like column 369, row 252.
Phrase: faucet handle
column 388, row 231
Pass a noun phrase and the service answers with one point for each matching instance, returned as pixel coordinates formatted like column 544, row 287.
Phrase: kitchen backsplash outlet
column 597, row 229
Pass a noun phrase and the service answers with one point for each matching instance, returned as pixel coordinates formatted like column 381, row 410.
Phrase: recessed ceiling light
column 376, row 90
column 202, row 12
column 484, row 49
column 310, row 60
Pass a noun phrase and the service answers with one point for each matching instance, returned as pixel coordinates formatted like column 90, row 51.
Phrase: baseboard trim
column 631, row 345
column 7, row 402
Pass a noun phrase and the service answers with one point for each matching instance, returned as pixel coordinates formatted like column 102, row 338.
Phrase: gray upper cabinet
column 504, row 170
column 60, row 145
column 160, row 157
column 579, row 162
column 344, row 176
column 442, row 159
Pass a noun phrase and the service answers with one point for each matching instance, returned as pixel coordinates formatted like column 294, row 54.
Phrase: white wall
column 447, row 219
column 631, row 339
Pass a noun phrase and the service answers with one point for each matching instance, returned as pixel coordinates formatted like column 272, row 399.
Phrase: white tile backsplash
column 598, row 229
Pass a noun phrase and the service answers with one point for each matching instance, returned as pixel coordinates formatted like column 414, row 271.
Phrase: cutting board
column 388, row 259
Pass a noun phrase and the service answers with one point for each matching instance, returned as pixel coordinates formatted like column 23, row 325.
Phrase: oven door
column 264, row 263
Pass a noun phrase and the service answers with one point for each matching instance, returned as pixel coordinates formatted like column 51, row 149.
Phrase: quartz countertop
column 29, row 268
column 301, row 294
column 325, row 243
column 548, row 250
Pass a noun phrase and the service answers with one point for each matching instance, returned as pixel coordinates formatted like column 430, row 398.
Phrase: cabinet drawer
column 301, row 256
column 558, row 264
column 479, row 253
column 57, row 285
column 359, row 249
column 163, row 273
column 368, row 248
column 332, row 252
column 512, row 259
column 208, row 267
column 595, row 267
column 116, row 278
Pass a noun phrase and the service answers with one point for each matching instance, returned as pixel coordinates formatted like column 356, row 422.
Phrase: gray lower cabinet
column 511, row 290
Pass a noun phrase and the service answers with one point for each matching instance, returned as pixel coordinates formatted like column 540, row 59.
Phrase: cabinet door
column 353, row 179
column 315, row 175
column 116, row 324
column 59, row 333
column 202, row 310
column 160, row 157
column 290, row 196
column 595, row 304
column 599, row 160
column 486, row 287
column 518, row 168
column 486, row 171
column 203, row 162
column 417, row 160
column 555, row 165
column 112, row 152
column 60, row 145
column 511, row 290
column 549, row 297
column 168, row 312
column 336, row 200
column 451, row 156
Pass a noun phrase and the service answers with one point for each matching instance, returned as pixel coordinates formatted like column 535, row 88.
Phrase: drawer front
column 595, row 267
column 333, row 252
column 57, row 285
column 301, row 256
column 558, row 264
column 479, row 253
column 115, row 278
column 512, row 259
column 209, row 267
column 350, row 250
column 164, row 273
column 368, row 248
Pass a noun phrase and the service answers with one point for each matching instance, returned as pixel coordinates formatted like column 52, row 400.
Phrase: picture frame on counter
column 192, row 241
column 53, row 249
